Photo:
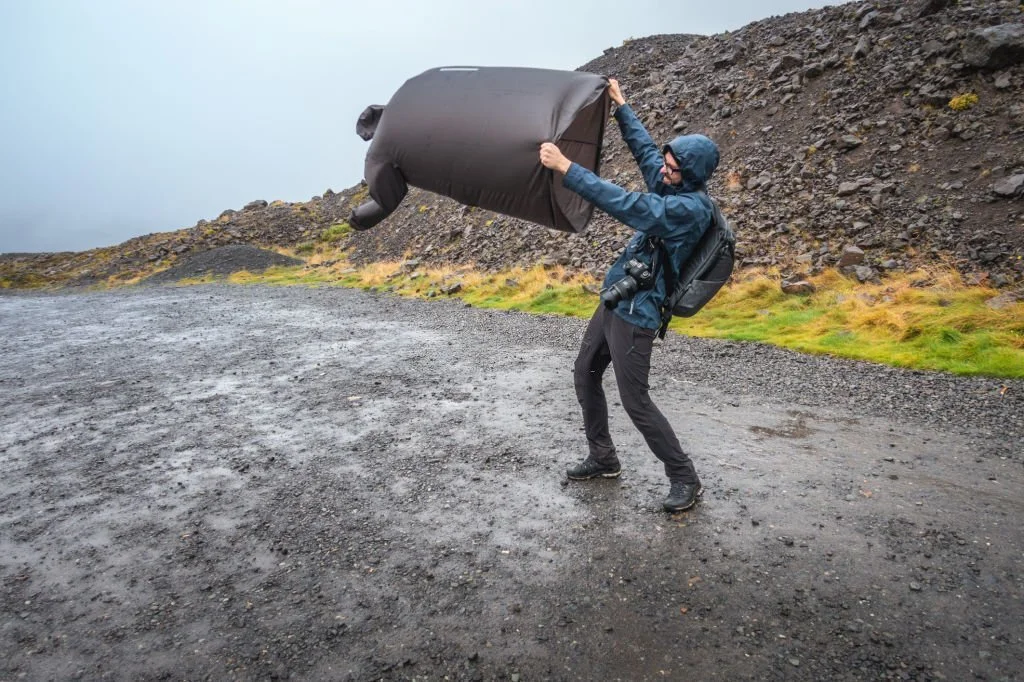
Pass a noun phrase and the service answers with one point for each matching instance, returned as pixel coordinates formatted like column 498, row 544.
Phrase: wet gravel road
column 267, row 483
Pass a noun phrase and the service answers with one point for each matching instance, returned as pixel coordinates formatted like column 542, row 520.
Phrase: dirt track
column 250, row 483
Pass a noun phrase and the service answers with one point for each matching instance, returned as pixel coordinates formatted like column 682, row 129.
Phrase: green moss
column 336, row 232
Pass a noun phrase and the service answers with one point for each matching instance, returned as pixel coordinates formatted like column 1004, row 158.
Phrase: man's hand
column 553, row 158
column 615, row 92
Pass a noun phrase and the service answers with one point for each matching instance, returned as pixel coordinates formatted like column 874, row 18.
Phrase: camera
column 638, row 276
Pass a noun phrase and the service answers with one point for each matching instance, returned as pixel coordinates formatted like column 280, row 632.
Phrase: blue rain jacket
column 678, row 214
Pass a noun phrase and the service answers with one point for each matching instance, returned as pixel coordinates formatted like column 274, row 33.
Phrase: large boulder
column 1010, row 187
column 995, row 47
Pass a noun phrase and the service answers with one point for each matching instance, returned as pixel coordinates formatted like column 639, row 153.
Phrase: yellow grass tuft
column 963, row 102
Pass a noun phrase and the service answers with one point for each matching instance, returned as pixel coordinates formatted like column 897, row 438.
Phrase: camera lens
column 623, row 289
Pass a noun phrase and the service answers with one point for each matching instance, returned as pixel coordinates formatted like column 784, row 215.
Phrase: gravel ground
column 261, row 483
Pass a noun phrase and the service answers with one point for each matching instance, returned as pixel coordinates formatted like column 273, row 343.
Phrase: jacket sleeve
column 649, row 213
column 646, row 153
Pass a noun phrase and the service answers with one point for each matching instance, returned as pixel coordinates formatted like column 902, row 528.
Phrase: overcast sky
column 120, row 118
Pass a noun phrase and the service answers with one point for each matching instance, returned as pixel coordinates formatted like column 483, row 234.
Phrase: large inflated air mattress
column 474, row 134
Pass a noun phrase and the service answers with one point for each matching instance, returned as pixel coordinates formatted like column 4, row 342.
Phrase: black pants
column 611, row 340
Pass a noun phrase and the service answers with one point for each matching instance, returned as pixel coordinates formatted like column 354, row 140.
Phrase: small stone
column 798, row 287
column 864, row 273
column 915, row 587
column 786, row 63
column 850, row 141
column 852, row 255
column 863, row 48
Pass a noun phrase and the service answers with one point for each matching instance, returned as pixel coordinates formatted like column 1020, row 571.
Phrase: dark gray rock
column 869, row 19
column 850, row 142
column 1009, row 187
column 865, row 273
column 934, row 48
column 785, row 64
column 864, row 10
column 863, row 48
column 724, row 61
column 852, row 255
column 929, row 7
column 995, row 47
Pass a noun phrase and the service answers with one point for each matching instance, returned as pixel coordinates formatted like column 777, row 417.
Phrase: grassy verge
column 923, row 320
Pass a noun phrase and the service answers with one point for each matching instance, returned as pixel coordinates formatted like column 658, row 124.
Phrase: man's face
column 670, row 171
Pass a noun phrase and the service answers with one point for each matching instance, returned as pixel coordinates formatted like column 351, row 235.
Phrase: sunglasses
column 669, row 170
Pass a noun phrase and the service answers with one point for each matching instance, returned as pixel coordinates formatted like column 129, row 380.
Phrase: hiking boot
column 682, row 496
column 591, row 468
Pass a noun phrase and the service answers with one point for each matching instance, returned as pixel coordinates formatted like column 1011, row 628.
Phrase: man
column 676, row 210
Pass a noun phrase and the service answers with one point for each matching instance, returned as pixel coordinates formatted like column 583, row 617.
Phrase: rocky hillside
column 277, row 223
column 836, row 130
column 890, row 133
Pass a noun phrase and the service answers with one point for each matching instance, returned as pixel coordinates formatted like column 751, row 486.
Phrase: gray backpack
column 705, row 272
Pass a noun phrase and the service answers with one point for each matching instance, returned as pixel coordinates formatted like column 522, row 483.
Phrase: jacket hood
column 698, row 158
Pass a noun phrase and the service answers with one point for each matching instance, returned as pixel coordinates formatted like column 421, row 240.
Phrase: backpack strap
column 670, row 286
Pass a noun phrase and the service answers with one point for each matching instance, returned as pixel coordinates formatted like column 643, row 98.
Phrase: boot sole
column 700, row 492
column 587, row 478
